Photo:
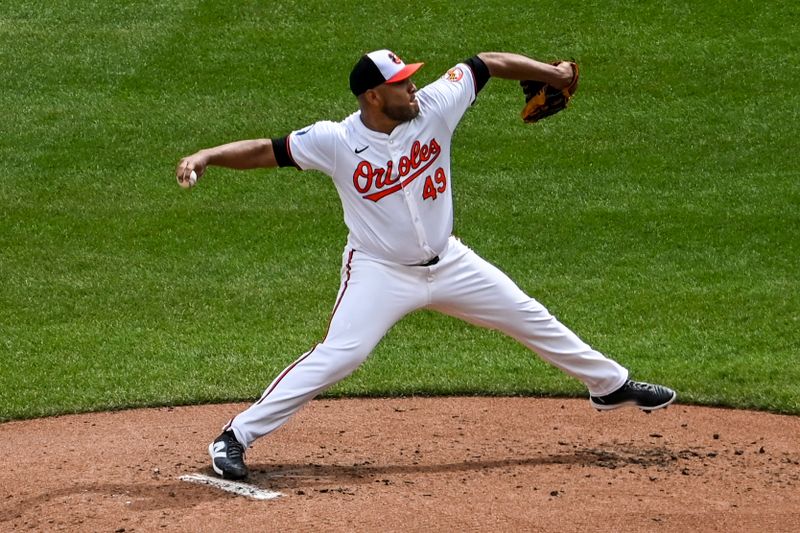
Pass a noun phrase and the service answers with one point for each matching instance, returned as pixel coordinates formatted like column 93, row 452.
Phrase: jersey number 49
column 434, row 185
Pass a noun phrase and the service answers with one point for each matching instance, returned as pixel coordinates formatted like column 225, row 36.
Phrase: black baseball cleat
column 645, row 396
column 227, row 456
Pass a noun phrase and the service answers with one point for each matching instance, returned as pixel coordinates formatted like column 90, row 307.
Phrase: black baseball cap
column 380, row 66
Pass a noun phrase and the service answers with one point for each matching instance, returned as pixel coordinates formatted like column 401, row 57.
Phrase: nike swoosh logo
column 359, row 150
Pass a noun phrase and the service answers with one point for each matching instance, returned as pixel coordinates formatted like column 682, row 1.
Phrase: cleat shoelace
column 644, row 387
column 234, row 451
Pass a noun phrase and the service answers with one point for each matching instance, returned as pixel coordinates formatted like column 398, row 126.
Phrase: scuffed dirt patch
column 412, row 464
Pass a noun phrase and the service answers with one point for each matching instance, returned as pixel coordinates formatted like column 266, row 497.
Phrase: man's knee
column 342, row 358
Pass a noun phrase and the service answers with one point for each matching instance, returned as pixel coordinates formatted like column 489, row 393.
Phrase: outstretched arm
column 242, row 155
column 518, row 67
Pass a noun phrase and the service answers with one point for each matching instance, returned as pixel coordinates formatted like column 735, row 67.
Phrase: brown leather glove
column 543, row 100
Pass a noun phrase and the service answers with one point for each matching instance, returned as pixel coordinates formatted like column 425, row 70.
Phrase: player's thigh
column 482, row 294
column 372, row 298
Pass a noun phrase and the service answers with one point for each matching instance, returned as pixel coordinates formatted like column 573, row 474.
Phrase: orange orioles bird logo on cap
column 395, row 59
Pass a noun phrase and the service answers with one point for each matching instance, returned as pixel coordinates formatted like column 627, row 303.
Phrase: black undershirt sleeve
column 280, row 146
column 480, row 70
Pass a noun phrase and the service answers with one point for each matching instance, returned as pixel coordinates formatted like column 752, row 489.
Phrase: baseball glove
column 543, row 100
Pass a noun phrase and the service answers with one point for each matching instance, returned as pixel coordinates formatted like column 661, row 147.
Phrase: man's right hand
column 195, row 162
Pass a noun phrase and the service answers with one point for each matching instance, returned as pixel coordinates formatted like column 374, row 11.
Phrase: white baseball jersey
column 395, row 188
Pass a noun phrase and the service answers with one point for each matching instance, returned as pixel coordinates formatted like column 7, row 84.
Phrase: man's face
column 400, row 100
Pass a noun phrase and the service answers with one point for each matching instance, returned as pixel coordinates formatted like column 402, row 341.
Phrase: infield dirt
column 411, row 464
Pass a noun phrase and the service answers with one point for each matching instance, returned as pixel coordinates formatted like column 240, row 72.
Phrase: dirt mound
column 412, row 464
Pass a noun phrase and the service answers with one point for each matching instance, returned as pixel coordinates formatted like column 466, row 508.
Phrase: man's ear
column 373, row 98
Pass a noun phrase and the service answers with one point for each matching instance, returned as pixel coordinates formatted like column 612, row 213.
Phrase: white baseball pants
column 375, row 294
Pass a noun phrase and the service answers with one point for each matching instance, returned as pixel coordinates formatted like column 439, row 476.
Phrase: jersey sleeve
column 451, row 95
column 314, row 147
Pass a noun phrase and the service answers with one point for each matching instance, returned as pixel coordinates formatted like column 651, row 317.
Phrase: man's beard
column 401, row 113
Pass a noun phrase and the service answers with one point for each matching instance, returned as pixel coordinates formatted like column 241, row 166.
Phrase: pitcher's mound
column 411, row 464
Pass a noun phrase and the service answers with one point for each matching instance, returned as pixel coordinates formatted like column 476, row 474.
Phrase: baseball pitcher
column 390, row 164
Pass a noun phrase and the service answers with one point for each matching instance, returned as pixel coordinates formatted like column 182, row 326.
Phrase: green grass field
column 659, row 216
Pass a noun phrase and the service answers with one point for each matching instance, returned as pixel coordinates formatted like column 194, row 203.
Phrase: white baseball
column 191, row 182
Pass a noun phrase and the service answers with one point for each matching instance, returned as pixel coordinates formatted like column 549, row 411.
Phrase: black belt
column 429, row 263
